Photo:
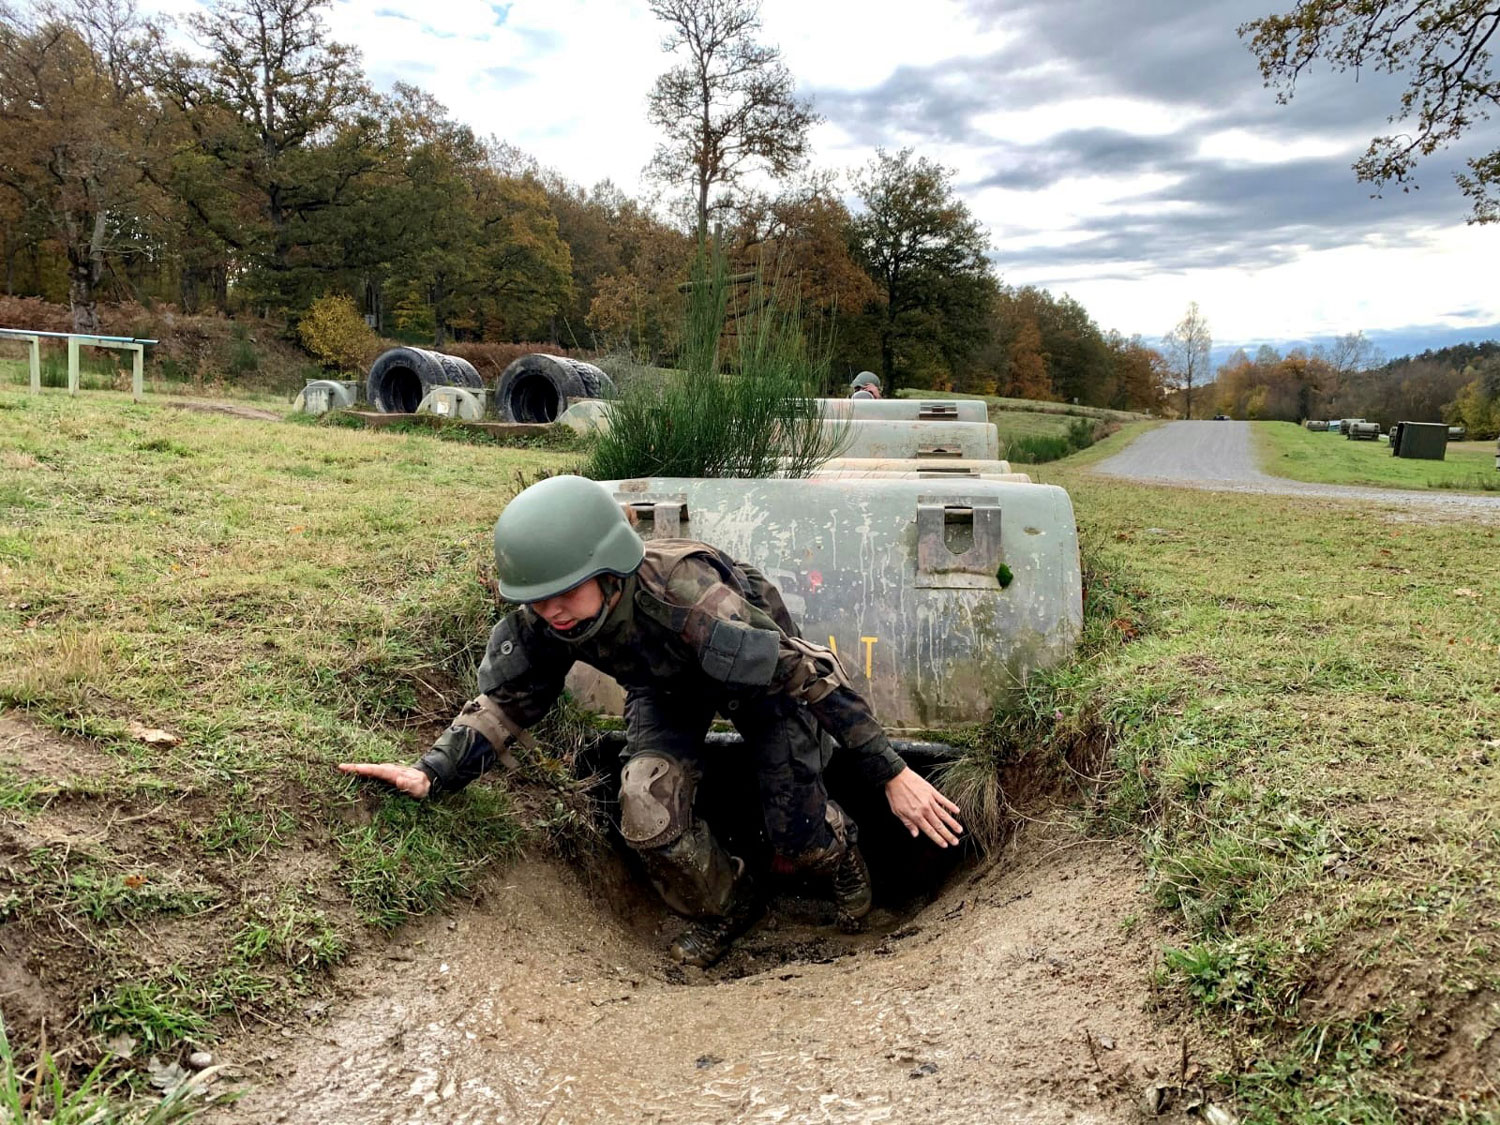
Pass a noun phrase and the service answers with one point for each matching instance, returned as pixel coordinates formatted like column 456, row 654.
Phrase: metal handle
column 937, row 411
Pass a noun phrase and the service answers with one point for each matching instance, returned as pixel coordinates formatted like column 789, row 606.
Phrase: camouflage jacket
column 690, row 621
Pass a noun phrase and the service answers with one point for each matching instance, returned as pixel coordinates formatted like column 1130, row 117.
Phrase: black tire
column 400, row 379
column 538, row 388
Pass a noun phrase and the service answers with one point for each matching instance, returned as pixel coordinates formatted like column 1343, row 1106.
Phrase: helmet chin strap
column 609, row 585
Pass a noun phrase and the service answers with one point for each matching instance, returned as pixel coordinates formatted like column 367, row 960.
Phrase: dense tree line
column 259, row 170
column 1459, row 385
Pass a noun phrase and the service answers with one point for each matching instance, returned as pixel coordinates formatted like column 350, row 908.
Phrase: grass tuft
column 742, row 403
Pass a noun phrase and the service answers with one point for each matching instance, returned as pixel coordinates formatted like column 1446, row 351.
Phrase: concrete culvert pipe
column 400, row 379
column 539, row 388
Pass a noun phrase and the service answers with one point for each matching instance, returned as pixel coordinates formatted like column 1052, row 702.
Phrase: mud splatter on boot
column 708, row 939
column 852, row 893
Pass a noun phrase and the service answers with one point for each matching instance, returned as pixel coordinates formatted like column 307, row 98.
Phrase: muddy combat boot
column 708, row 939
column 851, row 890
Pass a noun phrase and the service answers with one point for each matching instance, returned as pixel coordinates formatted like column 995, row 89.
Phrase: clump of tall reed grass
column 742, row 400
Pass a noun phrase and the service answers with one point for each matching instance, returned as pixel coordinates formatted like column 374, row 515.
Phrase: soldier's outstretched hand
column 919, row 806
column 410, row 780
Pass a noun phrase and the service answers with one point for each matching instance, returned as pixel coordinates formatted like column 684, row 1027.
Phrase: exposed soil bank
column 1018, row 996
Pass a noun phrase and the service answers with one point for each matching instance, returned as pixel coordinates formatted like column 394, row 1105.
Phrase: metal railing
column 75, row 341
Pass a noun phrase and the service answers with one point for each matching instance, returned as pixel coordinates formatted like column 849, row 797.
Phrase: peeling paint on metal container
column 455, row 402
column 958, row 466
column 904, row 440
column 586, row 416
column 917, row 474
column 900, row 577
column 906, row 409
column 323, row 395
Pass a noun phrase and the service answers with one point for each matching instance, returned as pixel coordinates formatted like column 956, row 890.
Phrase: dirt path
column 233, row 409
column 1018, row 996
column 1220, row 456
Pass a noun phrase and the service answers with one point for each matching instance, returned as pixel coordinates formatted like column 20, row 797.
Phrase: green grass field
column 1036, row 432
column 1297, row 710
column 277, row 597
column 1310, row 753
column 1288, row 450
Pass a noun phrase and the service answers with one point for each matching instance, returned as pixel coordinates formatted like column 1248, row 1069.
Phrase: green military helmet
column 865, row 379
column 558, row 533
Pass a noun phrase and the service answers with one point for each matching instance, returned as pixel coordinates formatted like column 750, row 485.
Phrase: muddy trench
column 1013, row 988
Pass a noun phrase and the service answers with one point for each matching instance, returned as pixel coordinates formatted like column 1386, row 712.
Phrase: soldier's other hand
column 919, row 806
column 408, row 779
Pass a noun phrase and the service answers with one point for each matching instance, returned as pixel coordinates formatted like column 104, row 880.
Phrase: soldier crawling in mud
column 688, row 632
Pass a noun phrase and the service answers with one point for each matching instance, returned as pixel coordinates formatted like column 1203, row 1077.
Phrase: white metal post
column 35, row 354
column 72, row 365
column 138, row 372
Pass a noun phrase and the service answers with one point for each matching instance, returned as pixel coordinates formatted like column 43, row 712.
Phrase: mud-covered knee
column 656, row 801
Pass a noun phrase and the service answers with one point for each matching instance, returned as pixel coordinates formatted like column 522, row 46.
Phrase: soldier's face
column 564, row 611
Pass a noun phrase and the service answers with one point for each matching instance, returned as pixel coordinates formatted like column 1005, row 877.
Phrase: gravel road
column 1219, row 456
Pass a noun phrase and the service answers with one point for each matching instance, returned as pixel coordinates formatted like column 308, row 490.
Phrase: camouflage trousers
column 784, row 748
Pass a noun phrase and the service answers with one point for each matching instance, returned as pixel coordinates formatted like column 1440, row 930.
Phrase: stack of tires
column 540, row 388
column 535, row 388
column 401, row 378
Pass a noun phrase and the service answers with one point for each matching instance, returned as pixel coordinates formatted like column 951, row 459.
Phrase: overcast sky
column 1122, row 151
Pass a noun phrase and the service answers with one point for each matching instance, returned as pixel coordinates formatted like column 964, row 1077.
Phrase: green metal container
column 322, row 395
column 940, row 596
column 1425, row 441
column 958, row 466
column 917, row 474
column 455, row 402
column 586, row 416
column 906, row 409
column 905, row 440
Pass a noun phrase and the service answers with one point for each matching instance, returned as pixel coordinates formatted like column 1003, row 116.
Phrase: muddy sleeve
column 742, row 647
column 458, row 757
column 524, row 668
column 522, row 673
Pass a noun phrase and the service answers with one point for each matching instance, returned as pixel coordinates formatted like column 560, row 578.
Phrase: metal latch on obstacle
column 958, row 543
column 937, row 411
column 657, row 517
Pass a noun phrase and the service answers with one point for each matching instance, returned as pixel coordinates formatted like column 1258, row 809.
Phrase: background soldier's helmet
column 558, row 533
column 865, row 379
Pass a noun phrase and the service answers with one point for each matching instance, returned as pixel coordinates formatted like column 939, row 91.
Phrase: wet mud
column 1019, row 995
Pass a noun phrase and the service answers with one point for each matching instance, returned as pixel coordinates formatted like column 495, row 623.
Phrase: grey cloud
column 1248, row 217
column 1079, row 152
column 1181, row 54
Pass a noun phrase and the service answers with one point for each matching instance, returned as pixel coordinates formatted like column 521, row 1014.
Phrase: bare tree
column 1187, row 347
column 730, row 106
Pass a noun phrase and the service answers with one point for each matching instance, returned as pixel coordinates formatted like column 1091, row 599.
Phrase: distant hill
column 1392, row 342
column 1457, row 356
